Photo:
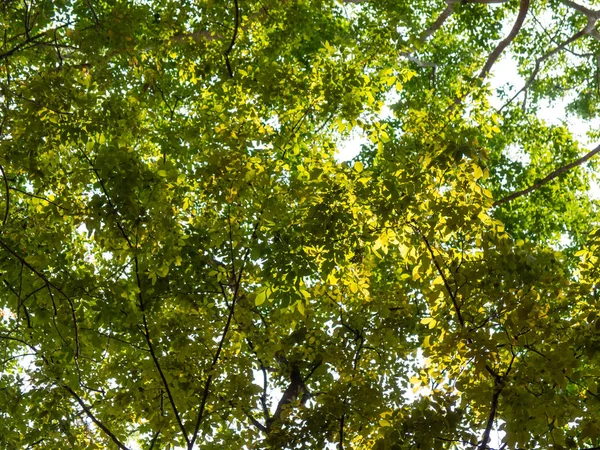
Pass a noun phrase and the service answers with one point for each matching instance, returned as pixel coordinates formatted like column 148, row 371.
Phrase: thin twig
column 543, row 58
column 217, row 356
column 49, row 284
column 39, row 197
column 443, row 276
column 146, row 334
column 110, row 202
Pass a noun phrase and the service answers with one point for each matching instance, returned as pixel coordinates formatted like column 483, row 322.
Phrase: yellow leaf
column 429, row 321
column 415, row 273
column 260, row 297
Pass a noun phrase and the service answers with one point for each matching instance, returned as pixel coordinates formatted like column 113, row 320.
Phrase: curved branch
column 439, row 21
column 49, row 284
column 523, row 9
column 551, row 176
column 543, row 58
column 582, row 9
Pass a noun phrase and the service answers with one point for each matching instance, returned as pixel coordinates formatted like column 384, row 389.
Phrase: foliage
column 186, row 263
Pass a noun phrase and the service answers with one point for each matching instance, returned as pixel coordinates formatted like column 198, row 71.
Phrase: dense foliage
column 185, row 261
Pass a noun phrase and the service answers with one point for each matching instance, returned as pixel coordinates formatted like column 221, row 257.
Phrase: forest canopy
column 188, row 261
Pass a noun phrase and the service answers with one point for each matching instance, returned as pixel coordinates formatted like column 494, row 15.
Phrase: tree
column 185, row 263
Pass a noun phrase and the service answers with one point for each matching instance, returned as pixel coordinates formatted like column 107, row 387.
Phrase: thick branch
column 154, row 440
column 7, row 193
column 341, row 432
column 233, row 38
column 417, row 61
column 551, row 176
column 582, row 9
column 523, row 9
column 499, row 384
column 439, row 21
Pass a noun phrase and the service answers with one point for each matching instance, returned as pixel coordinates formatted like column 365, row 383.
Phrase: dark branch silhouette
column 439, row 21
column 551, row 176
column 523, row 9
column 94, row 419
column 7, row 194
column 233, row 38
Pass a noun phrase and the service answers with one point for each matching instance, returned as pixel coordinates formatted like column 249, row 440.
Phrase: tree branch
column 551, row 176
column 146, row 334
column 523, row 9
column 153, row 441
column 146, row 331
column 233, row 38
column 543, row 58
column 217, row 355
column 341, row 432
column 7, row 193
column 94, row 419
column 582, row 9
column 439, row 21
column 444, row 279
column 108, row 199
column 49, row 284
column 498, row 386
column 39, row 197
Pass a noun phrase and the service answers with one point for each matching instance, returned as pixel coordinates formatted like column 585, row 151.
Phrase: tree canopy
column 187, row 262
